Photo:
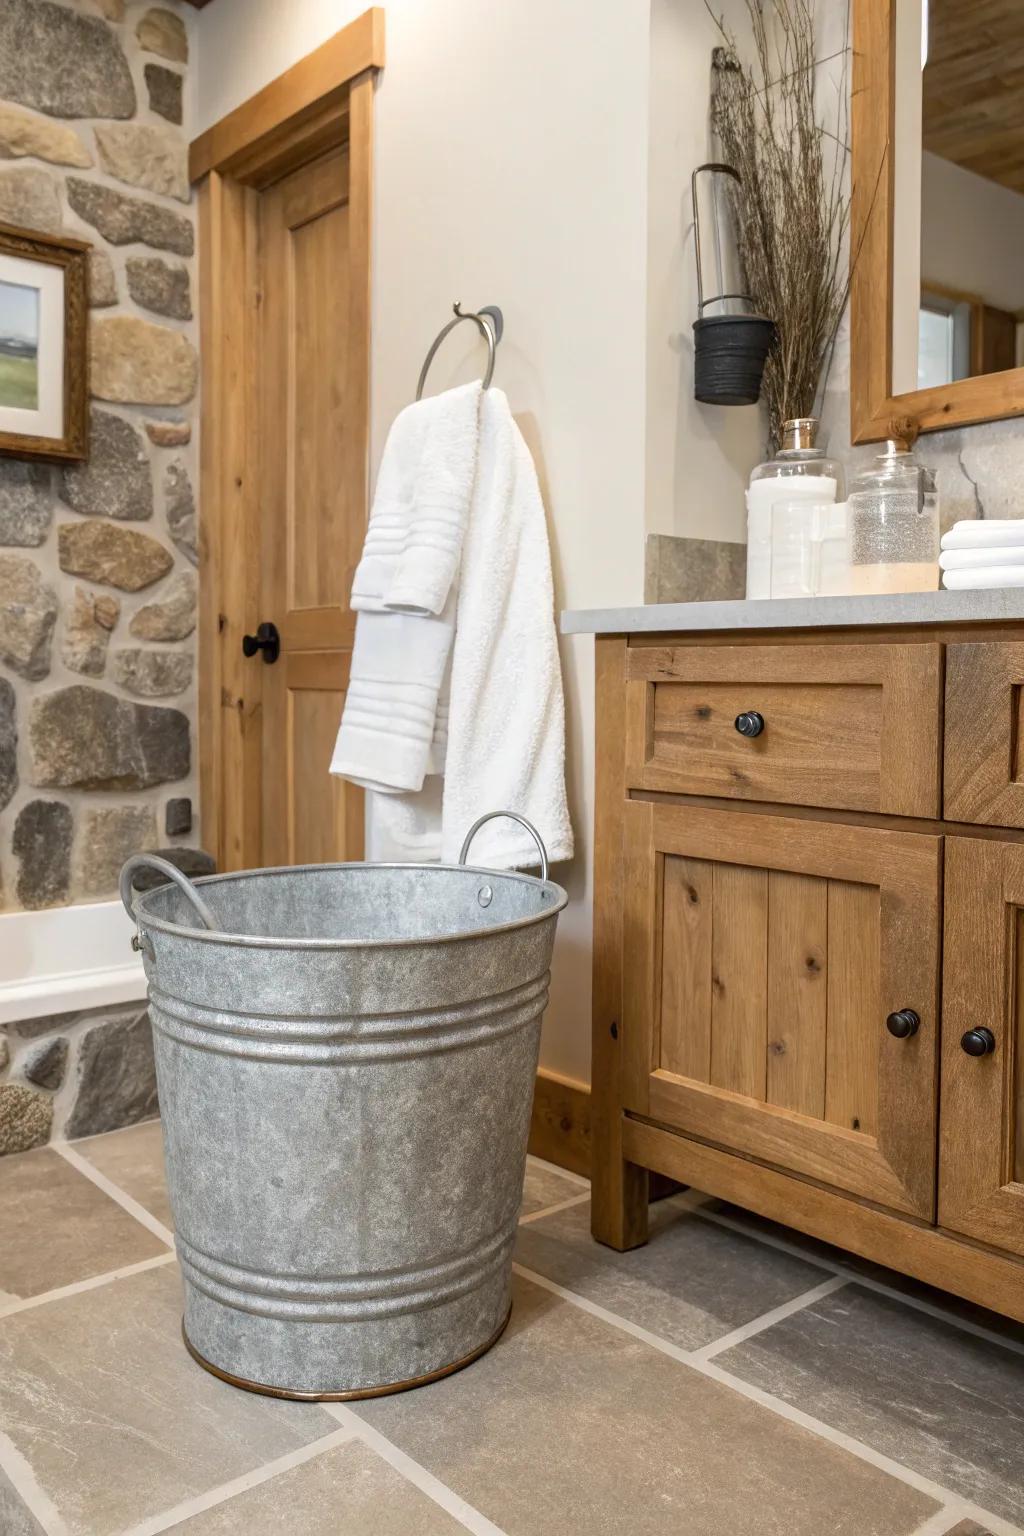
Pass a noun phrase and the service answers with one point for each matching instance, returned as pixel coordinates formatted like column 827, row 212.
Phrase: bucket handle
column 171, row 872
column 512, row 816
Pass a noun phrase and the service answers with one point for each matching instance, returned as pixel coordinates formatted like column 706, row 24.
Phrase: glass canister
column 800, row 471
column 894, row 524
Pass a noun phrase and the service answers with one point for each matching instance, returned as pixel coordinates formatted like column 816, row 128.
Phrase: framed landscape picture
column 44, row 384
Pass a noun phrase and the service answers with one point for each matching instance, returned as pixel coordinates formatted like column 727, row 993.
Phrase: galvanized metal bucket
column 345, row 1057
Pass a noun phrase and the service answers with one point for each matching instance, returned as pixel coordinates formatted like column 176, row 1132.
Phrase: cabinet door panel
column 981, row 1130
column 762, row 955
column 984, row 767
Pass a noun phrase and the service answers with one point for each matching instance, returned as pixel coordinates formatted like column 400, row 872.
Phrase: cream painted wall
column 699, row 457
column 511, row 168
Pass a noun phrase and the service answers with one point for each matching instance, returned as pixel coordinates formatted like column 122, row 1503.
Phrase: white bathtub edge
column 94, row 966
column 73, row 991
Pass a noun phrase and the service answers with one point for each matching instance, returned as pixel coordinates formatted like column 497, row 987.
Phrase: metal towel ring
column 489, row 322
column 512, row 816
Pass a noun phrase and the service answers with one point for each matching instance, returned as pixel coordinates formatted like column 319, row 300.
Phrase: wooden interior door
column 761, row 958
column 312, row 509
column 981, row 1125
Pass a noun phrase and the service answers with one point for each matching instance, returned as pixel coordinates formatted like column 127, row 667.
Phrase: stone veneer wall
column 97, row 561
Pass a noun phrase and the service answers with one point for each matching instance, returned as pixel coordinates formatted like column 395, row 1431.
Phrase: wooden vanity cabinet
column 799, row 943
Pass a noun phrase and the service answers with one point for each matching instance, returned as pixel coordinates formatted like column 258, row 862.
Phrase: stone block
column 87, row 632
column 47, row 1064
column 85, row 738
column 41, row 138
column 151, row 674
column 163, row 32
column 173, row 615
column 28, row 612
column 178, row 816
column 169, row 434
column 108, row 836
column 160, row 286
column 61, row 62
column 180, row 507
column 25, row 1118
column 102, row 282
column 8, row 744
column 137, row 361
column 26, row 508
column 106, row 551
column 164, row 87
column 117, row 1077
column 124, row 220
column 42, row 845
column 145, row 155
column 115, row 480
column 30, row 198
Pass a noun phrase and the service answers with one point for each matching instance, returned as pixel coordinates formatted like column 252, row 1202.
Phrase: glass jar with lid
column 894, row 524
column 800, row 471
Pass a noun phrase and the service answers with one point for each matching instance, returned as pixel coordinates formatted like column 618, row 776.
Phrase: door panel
column 312, row 509
column 981, row 1129
column 850, row 726
column 762, row 955
column 984, row 769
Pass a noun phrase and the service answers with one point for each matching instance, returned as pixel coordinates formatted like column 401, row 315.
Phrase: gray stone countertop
column 979, row 607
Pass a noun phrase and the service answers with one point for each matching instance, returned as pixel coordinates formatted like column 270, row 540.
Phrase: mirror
column 937, row 290
column 959, row 191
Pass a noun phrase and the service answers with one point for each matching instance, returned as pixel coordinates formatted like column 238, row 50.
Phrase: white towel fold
column 394, row 726
column 506, row 735
column 996, row 554
column 984, row 576
column 985, row 533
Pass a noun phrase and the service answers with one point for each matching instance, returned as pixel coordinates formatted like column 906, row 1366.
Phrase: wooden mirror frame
column 873, row 406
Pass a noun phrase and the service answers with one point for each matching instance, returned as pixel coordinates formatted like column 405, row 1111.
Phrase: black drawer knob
column 978, row 1042
column 750, row 723
column 903, row 1023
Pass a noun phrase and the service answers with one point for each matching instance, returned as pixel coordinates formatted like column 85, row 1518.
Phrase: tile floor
column 731, row 1379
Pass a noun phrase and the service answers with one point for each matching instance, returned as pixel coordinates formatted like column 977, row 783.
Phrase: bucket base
column 351, row 1395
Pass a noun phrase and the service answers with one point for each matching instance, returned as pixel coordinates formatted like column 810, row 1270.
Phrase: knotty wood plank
column 686, row 969
column 739, row 979
column 797, row 991
column 851, row 1074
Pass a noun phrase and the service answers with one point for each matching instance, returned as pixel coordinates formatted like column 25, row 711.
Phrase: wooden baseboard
column 560, row 1126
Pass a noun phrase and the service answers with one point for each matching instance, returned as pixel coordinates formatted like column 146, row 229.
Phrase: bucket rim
column 144, row 919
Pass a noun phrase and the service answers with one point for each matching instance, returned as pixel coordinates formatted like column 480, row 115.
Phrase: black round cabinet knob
column 903, row 1023
column 978, row 1042
column 750, row 723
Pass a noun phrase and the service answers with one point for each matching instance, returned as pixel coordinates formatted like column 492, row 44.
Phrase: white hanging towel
column 506, row 729
column 393, row 726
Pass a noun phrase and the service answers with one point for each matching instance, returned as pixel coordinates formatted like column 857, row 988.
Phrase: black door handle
column 266, row 639
column 978, row 1042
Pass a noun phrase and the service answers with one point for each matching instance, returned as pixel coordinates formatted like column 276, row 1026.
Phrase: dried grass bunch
column 793, row 208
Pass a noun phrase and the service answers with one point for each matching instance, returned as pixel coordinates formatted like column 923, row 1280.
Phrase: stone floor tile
column 570, row 1425
column 133, row 1159
column 116, row 1421
column 347, row 1491
column 969, row 1528
column 57, row 1228
column 955, row 1306
column 692, row 1283
column 546, row 1186
column 15, row 1518
column 934, row 1398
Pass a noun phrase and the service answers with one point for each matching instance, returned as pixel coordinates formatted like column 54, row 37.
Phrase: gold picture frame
column 44, row 360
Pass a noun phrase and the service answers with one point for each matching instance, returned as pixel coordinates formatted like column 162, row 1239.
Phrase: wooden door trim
column 247, row 139
column 323, row 102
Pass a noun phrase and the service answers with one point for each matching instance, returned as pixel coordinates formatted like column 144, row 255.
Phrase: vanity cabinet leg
column 618, row 1209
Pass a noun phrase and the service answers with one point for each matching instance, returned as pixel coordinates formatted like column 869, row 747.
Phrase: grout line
column 125, row 1201
column 783, row 1410
column 80, row 1141
column 918, row 1304
column 943, row 1521
column 10, row 1309
column 220, row 1495
column 26, row 1485
column 563, row 1173
column 552, row 1210
column 452, row 1503
column 767, row 1319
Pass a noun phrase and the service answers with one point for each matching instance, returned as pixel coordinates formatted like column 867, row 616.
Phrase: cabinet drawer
column 854, row 727
column 767, row 965
column 984, row 774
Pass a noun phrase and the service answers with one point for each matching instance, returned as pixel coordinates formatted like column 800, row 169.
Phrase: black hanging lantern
column 731, row 344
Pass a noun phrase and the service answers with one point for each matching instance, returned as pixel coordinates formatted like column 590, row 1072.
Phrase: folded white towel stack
column 455, row 668
column 983, row 552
